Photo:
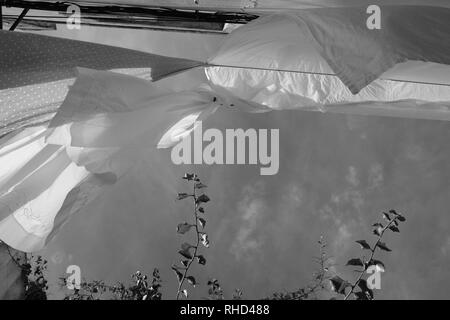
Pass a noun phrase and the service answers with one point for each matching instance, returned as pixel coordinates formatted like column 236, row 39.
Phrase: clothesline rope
column 320, row 73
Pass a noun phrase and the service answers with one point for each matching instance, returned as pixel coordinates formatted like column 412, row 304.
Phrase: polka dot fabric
column 36, row 70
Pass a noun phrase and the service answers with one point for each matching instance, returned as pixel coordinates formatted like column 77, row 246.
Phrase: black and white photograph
column 224, row 154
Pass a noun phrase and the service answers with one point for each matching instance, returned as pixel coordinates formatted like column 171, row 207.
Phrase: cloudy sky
column 337, row 173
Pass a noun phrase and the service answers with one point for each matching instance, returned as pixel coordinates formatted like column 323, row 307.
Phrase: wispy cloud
column 376, row 176
column 294, row 195
column 352, row 176
column 250, row 209
column 343, row 237
column 445, row 248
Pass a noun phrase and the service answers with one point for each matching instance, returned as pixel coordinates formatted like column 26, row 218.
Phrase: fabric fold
column 29, row 58
column 359, row 55
column 273, row 62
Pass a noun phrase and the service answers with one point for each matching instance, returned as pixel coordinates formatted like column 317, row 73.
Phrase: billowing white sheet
column 359, row 55
column 105, row 109
column 272, row 62
column 104, row 125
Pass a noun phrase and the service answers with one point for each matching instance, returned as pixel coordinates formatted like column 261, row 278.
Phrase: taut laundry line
column 316, row 73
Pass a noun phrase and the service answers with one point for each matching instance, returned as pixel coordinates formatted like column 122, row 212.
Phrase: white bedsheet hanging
column 272, row 61
column 106, row 123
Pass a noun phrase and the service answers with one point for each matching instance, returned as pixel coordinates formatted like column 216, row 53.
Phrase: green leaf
column 202, row 222
column 360, row 295
column 377, row 232
column 355, row 262
column 188, row 176
column 386, row 216
column 191, row 280
column 364, row 244
column 362, row 284
column 377, row 225
column 201, row 259
column 182, row 196
column 186, row 246
column 383, row 246
column 201, row 210
column 185, row 253
column 375, row 262
column 339, row 285
column 212, row 282
column 185, row 262
column 203, row 198
column 178, row 273
column 184, row 227
column 398, row 215
column 394, row 228
column 200, row 185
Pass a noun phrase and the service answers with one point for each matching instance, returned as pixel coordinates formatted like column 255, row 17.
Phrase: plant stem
column 180, row 285
column 370, row 259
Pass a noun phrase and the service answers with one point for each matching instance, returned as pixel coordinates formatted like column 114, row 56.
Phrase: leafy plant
column 318, row 283
column 190, row 252
column 139, row 289
column 36, row 284
column 33, row 269
column 215, row 291
column 360, row 289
